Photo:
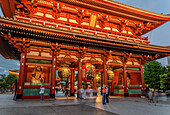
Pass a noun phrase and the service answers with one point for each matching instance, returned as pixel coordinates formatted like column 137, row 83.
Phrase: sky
column 159, row 36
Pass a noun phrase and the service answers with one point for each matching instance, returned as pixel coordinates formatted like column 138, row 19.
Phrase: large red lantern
column 88, row 72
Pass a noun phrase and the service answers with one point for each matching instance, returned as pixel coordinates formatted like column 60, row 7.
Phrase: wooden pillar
column 72, row 82
column 101, row 82
column 21, row 75
column 111, row 89
column 53, row 76
column 79, row 77
column 95, row 86
column 67, row 84
column 109, row 86
column 142, row 78
column 104, row 71
column 125, row 80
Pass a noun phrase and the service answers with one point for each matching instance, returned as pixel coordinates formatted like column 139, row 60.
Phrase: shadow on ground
column 54, row 110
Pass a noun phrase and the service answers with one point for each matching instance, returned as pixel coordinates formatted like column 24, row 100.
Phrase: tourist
column 81, row 92
column 156, row 96
column 67, row 92
column 88, row 92
column 107, row 94
column 56, row 89
column 103, row 94
column 150, row 96
column 63, row 90
column 42, row 89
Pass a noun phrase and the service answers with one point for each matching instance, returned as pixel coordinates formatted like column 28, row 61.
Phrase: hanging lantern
column 64, row 73
column 88, row 72
column 110, row 75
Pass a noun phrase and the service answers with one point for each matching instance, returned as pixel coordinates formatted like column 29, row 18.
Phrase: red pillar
column 125, row 80
column 67, row 83
column 72, row 83
column 21, row 76
column 142, row 78
column 111, row 92
column 53, row 77
column 104, row 71
column 95, row 86
column 101, row 82
column 79, row 77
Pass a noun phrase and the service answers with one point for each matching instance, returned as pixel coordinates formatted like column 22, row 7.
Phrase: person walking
column 67, row 92
column 81, row 92
column 107, row 94
column 63, row 90
column 42, row 89
column 156, row 96
column 56, row 90
column 103, row 94
column 150, row 96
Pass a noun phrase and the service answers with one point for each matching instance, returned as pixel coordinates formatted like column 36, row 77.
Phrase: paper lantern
column 110, row 75
column 88, row 72
column 64, row 73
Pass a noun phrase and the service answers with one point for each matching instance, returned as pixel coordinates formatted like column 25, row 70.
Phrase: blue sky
column 159, row 36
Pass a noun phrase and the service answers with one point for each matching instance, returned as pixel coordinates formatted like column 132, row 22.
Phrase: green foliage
column 165, row 81
column 152, row 71
column 3, row 83
column 76, row 77
column 11, row 79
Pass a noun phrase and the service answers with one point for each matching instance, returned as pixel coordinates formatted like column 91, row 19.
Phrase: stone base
column 78, row 95
column 19, row 96
column 111, row 93
column 72, row 94
column 52, row 95
column 126, row 94
column 94, row 93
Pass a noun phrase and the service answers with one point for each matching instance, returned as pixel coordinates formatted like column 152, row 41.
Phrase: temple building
column 93, row 37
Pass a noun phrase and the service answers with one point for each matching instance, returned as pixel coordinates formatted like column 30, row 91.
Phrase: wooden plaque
column 93, row 20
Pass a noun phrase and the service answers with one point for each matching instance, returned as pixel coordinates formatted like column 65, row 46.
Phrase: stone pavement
column 93, row 106
column 133, row 106
column 54, row 110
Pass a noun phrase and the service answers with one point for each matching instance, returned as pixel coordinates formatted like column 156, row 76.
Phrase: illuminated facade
column 46, row 34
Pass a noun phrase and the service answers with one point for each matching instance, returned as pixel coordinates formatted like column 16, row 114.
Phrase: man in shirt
column 103, row 94
column 107, row 94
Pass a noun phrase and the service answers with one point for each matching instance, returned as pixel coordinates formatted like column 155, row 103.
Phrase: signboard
column 93, row 20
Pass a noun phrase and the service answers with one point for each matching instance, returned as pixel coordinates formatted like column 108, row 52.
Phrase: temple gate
column 46, row 34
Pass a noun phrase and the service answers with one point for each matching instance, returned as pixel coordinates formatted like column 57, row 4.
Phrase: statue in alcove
column 37, row 75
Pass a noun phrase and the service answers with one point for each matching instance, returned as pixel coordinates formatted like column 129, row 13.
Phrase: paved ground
column 93, row 106
column 133, row 106
column 54, row 110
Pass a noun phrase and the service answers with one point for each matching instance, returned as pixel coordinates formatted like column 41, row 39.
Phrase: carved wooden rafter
column 125, row 58
column 123, row 24
column 146, row 58
column 20, row 43
column 81, row 15
column 82, row 51
column 107, row 54
column 55, row 48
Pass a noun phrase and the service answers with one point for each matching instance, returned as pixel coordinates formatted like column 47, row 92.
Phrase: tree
column 10, row 79
column 152, row 72
column 165, row 80
column 3, row 83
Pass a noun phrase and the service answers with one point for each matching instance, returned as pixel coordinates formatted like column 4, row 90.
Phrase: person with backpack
column 103, row 95
column 42, row 89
